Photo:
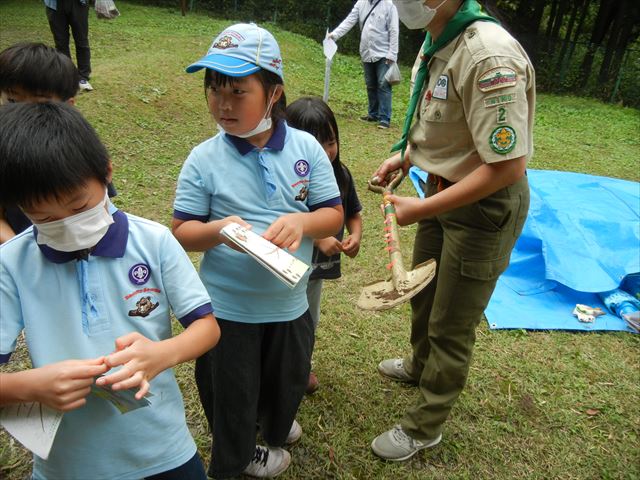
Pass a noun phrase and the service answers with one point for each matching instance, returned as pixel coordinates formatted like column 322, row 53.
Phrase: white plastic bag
column 393, row 74
column 106, row 9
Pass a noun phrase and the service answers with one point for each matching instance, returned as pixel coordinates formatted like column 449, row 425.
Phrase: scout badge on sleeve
column 403, row 284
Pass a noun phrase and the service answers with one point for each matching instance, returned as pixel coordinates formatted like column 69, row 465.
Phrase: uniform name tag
column 440, row 90
column 499, row 100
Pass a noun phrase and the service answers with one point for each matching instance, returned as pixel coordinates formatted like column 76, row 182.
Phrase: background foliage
column 586, row 47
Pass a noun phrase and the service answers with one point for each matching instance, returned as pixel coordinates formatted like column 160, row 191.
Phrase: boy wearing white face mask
column 258, row 172
column 92, row 288
column 34, row 72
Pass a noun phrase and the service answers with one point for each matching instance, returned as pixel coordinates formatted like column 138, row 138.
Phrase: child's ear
column 72, row 101
column 277, row 94
column 109, row 172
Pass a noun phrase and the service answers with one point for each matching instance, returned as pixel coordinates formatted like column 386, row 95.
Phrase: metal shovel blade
column 385, row 294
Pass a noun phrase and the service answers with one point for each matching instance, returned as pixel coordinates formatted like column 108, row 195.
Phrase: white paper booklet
column 34, row 425
column 278, row 261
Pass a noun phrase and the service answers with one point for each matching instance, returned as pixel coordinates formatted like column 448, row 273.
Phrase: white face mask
column 263, row 125
column 415, row 14
column 76, row 232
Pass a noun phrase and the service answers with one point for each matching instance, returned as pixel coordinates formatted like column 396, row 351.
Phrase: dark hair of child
column 268, row 80
column 38, row 69
column 47, row 149
column 314, row 116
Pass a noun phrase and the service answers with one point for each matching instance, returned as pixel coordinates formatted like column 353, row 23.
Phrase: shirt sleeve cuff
column 194, row 315
column 4, row 357
column 189, row 216
column 333, row 202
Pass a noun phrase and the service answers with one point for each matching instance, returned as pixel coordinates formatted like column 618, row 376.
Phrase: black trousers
column 72, row 14
column 256, row 375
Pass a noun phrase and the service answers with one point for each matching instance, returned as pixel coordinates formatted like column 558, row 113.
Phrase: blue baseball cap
column 241, row 50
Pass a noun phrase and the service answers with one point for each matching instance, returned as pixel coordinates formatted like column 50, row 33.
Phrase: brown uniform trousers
column 472, row 245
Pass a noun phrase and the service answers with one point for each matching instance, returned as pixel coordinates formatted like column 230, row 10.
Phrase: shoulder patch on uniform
column 503, row 139
column 501, row 99
column 497, row 77
column 441, row 88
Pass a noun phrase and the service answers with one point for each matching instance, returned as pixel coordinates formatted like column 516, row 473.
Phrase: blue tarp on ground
column 582, row 236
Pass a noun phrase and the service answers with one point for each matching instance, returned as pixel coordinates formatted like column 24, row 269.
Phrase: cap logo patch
column 301, row 167
column 503, row 139
column 224, row 42
column 498, row 77
column 139, row 273
column 276, row 63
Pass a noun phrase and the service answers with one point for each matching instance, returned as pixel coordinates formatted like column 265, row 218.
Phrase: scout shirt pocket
column 443, row 124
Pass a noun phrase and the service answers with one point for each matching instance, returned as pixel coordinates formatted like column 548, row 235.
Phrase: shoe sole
column 432, row 444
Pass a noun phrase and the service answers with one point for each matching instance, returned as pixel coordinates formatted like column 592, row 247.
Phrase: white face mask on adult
column 77, row 232
column 415, row 14
column 263, row 125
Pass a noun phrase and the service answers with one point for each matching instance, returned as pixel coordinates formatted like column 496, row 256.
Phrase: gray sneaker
column 85, row 86
column 268, row 462
column 294, row 434
column 393, row 368
column 395, row 445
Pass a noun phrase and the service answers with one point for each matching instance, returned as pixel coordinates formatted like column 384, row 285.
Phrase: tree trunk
column 603, row 21
column 567, row 37
column 630, row 19
column 612, row 43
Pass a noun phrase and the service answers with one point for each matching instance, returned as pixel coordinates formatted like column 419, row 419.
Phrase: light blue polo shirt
column 136, row 275
column 226, row 176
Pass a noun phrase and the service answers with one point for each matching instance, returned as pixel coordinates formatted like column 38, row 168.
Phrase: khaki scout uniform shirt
column 478, row 106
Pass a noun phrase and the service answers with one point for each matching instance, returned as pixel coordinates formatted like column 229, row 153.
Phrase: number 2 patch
column 501, row 114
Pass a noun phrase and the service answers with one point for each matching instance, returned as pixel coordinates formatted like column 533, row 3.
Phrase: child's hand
column 141, row 361
column 329, row 246
column 226, row 221
column 286, row 231
column 351, row 246
column 64, row 385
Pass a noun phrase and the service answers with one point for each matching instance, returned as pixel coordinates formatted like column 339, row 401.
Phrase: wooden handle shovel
column 403, row 284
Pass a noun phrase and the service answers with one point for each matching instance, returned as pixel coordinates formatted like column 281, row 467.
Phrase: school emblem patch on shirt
column 301, row 168
column 440, row 90
column 503, row 139
column 139, row 273
column 498, row 77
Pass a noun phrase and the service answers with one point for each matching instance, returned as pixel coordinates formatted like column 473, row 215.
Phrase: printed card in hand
column 281, row 263
column 34, row 425
column 124, row 400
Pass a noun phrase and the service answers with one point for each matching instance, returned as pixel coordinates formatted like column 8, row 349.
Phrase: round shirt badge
column 301, row 167
column 503, row 139
column 139, row 274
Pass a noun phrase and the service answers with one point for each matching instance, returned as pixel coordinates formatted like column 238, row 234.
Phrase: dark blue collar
column 276, row 142
column 113, row 244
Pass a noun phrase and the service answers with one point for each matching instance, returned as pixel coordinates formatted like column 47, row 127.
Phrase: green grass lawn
column 524, row 411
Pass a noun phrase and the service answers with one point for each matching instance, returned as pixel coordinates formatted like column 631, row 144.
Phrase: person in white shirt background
column 378, row 22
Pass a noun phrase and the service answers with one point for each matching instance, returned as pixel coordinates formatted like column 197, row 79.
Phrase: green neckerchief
column 468, row 13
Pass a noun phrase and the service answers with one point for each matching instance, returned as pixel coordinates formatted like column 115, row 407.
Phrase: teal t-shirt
column 226, row 176
column 137, row 274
